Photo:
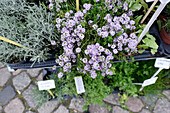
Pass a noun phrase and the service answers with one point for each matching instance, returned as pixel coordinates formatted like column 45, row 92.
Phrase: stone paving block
column 150, row 100
column 15, row 106
column 162, row 106
column 4, row 76
column 145, row 111
column 21, row 81
column 48, row 107
column 30, row 112
column 1, row 65
column 77, row 104
column 33, row 72
column 0, row 109
column 40, row 77
column 7, row 94
column 97, row 109
column 167, row 93
column 62, row 109
column 27, row 94
column 113, row 99
column 117, row 109
column 134, row 104
column 16, row 72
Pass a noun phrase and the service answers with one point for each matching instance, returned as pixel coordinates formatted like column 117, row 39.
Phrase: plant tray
column 163, row 51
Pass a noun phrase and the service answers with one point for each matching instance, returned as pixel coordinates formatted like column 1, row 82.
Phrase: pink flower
column 53, row 42
column 50, row 6
column 54, row 67
column 115, row 51
column 78, row 50
column 60, row 75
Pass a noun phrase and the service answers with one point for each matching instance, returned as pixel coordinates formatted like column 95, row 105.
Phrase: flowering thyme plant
column 102, row 30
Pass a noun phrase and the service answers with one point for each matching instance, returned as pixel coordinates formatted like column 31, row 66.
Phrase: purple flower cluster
column 72, row 33
column 115, row 25
column 98, row 61
column 57, row 3
column 123, row 42
column 116, row 4
column 118, row 24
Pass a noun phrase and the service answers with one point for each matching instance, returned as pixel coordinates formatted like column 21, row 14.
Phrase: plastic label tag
column 45, row 85
column 149, row 81
column 149, row 0
column 79, row 85
column 9, row 68
column 162, row 63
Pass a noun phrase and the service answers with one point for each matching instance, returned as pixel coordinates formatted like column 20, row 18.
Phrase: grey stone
column 117, row 109
column 7, row 94
column 167, row 93
column 0, row 109
column 16, row 72
column 28, row 96
column 62, row 109
column 149, row 100
column 134, row 104
column 97, row 109
column 30, row 112
column 145, row 111
column 1, row 65
column 40, row 77
column 113, row 99
column 33, row 72
column 15, row 105
column 77, row 104
column 48, row 107
column 21, row 81
column 162, row 106
column 4, row 76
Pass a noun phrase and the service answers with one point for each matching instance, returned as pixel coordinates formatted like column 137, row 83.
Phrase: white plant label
column 9, row 68
column 162, row 63
column 149, row 81
column 79, row 85
column 45, row 85
column 149, row 0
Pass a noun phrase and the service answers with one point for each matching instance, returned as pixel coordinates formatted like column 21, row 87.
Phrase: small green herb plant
column 125, row 74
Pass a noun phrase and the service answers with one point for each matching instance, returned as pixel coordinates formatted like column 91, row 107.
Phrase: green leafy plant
column 89, row 43
column 149, row 42
column 95, row 90
column 164, row 24
column 136, row 4
column 125, row 74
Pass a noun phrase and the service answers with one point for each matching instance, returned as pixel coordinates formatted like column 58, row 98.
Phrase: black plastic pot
column 30, row 65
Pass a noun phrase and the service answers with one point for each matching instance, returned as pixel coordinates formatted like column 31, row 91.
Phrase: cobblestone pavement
column 16, row 89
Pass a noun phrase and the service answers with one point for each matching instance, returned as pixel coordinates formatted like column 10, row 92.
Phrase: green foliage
column 136, row 7
column 161, row 84
column 149, row 42
column 41, row 97
column 138, row 19
column 123, row 78
column 126, row 73
column 164, row 24
column 95, row 89
column 136, row 4
column 29, row 25
column 166, row 10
